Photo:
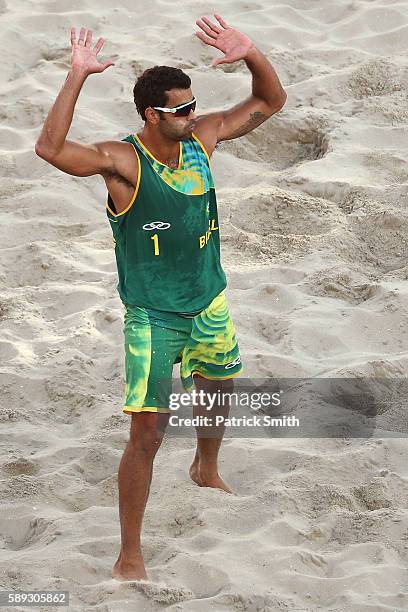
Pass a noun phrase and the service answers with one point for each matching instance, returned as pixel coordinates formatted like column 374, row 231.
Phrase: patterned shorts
column 156, row 340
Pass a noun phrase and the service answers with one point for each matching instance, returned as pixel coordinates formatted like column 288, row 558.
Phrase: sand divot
column 158, row 591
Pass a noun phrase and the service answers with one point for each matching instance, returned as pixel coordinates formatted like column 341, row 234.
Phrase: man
column 163, row 214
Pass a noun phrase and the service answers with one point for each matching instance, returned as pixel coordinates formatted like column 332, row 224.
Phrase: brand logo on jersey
column 233, row 363
column 161, row 225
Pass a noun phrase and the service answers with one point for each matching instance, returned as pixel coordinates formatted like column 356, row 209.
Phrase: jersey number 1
column 155, row 239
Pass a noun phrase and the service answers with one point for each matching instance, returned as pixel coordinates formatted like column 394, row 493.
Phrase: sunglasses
column 182, row 110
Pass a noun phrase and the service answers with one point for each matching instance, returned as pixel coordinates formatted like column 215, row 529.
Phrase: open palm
column 83, row 57
column 235, row 45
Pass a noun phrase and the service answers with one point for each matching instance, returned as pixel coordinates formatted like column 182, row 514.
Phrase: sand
column 313, row 211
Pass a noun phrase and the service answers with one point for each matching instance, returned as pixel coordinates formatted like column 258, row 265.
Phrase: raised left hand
column 232, row 43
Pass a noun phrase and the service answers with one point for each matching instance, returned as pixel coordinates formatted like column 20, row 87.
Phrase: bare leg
column 134, row 478
column 204, row 469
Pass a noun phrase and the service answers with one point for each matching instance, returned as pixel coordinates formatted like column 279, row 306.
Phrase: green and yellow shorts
column 155, row 340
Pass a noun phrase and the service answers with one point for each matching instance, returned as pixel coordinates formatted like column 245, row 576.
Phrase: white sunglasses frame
column 174, row 109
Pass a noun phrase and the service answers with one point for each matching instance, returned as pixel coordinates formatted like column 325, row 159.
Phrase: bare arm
column 268, row 95
column 72, row 157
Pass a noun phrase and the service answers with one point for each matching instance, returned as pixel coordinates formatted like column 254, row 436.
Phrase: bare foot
column 129, row 571
column 215, row 481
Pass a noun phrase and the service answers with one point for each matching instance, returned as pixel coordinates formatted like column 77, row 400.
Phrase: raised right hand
column 83, row 58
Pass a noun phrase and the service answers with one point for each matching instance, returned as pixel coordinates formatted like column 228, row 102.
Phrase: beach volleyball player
column 162, row 208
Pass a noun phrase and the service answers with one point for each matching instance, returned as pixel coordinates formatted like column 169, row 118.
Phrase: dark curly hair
column 151, row 86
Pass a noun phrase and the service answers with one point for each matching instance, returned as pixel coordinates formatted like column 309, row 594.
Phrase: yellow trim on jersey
column 136, row 188
column 138, row 409
column 159, row 162
column 201, row 145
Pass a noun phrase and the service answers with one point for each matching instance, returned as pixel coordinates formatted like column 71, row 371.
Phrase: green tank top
column 167, row 244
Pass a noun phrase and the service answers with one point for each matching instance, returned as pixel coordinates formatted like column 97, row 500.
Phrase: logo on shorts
column 231, row 364
column 154, row 225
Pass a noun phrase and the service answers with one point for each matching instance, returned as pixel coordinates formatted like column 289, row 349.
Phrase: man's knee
column 214, row 385
column 147, row 431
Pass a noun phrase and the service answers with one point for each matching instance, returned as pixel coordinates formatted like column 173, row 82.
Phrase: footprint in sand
column 25, row 531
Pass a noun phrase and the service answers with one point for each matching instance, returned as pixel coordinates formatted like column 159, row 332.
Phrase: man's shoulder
column 206, row 129
column 125, row 158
